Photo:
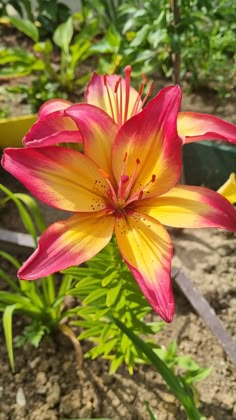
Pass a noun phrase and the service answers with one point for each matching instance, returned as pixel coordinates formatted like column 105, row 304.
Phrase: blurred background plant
column 99, row 300
column 46, row 13
column 52, row 63
column 192, row 41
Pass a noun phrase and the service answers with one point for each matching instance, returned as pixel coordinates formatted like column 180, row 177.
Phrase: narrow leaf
column 7, row 326
column 25, row 26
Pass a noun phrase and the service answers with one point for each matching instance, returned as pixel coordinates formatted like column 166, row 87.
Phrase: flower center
column 124, row 101
column 122, row 196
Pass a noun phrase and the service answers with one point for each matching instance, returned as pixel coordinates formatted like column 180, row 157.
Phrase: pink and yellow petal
column 190, row 207
column 194, row 126
column 98, row 131
column 53, row 105
column 147, row 250
column 68, row 243
column 59, row 176
column 114, row 95
column 151, row 146
column 52, row 129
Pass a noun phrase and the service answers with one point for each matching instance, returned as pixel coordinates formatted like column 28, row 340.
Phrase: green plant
column 192, row 41
column 48, row 14
column 51, row 79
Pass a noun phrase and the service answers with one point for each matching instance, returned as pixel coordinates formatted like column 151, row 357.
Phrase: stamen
column 138, row 101
column 132, row 180
column 118, row 110
column 149, row 92
column 109, row 96
column 128, row 71
column 139, row 194
column 112, row 192
column 123, row 179
column 144, row 77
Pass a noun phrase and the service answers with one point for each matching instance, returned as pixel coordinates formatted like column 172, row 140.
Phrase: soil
column 48, row 386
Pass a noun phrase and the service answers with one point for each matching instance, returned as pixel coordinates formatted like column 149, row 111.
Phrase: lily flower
column 124, row 183
column 115, row 96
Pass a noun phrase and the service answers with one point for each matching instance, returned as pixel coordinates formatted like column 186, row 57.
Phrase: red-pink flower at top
column 123, row 183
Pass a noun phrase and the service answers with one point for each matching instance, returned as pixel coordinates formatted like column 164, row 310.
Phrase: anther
column 117, row 85
column 144, row 77
column 140, row 195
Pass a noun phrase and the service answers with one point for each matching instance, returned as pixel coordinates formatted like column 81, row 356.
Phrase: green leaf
column 198, row 375
column 9, row 281
column 115, row 364
column 94, row 296
column 25, row 217
column 91, row 332
column 32, row 205
column 152, row 417
column 10, row 258
column 63, row 34
column 7, row 326
column 25, row 26
column 140, row 36
column 16, row 55
column 113, row 294
column 187, row 363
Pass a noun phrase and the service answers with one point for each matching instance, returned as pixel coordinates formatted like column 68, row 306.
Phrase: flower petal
column 191, row 207
column 67, row 243
column 59, row 176
column 228, row 189
column 98, row 131
column 150, row 138
column 147, row 250
column 52, row 129
column 113, row 94
column 193, row 126
column 53, row 105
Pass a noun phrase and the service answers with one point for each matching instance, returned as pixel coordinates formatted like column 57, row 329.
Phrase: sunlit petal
column 52, row 129
column 193, row 126
column 67, row 243
column 53, row 105
column 150, row 138
column 98, row 131
column 191, row 207
column 147, row 250
column 228, row 189
column 111, row 93
column 59, row 176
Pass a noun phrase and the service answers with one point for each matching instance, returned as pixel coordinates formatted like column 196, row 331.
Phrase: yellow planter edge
column 13, row 129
